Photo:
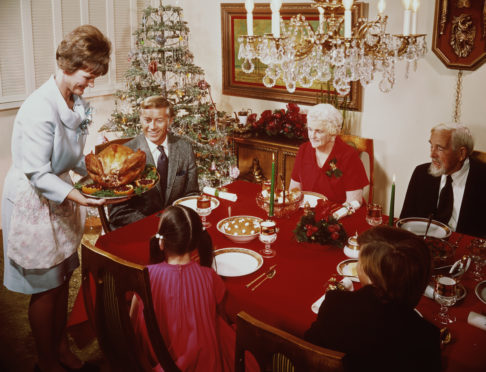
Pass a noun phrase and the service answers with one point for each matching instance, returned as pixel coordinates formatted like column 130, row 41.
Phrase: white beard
column 435, row 172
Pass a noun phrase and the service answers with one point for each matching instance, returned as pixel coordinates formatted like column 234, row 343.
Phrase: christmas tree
column 161, row 64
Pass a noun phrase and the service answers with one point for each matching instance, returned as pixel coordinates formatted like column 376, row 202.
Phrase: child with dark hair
column 376, row 326
column 187, row 296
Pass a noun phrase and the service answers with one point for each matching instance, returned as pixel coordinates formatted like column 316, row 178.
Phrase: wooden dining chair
column 114, row 281
column 479, row 155
column 364, row 146
column 102, row 209
column 276, row 350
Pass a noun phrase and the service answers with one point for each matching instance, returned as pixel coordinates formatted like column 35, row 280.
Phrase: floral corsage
column 88, row 111
column 333, row 169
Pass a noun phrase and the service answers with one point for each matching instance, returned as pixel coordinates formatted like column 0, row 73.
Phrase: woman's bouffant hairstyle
column 397, row 262
column 84, row 48
column 327, row 116
column 181, row 229
column 157, row 102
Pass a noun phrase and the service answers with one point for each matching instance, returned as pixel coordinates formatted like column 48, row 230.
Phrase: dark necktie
column 446, row 202
column 162, row 168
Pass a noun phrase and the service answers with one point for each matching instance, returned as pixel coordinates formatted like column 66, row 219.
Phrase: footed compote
column 268, row 235
column 203, row 208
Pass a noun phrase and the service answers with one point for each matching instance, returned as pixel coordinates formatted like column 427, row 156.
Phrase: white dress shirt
column 155, row 151
column 459, row 179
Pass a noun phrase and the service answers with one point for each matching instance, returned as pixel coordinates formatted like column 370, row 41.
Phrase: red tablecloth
column 302, row 272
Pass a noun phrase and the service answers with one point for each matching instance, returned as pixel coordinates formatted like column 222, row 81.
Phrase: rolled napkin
column 346, row 209
column 220, row 194
column 348, row 286
column 477, row 320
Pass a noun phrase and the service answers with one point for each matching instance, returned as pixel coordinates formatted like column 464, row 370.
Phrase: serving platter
column 150, row 172
column 418, row 225
column 348, row 268
column 480, row 291
column 191, row 202
column 234, row 261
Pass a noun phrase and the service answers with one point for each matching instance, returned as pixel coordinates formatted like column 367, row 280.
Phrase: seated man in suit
column 173, row 157
column 451, row 187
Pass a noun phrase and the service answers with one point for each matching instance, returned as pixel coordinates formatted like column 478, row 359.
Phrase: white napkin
column 346, row 282
column 477, row 320
column 429, row 292
column 220, row 194
column 347, row 208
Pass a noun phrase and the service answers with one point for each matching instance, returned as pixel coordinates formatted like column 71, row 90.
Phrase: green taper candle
column 272, row 188
column 392, row 204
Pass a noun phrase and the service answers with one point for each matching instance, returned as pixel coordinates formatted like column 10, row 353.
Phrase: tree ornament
column 203, row 84
column 152, row 67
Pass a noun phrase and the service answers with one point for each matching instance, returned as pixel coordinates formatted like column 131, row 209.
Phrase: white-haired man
column 452, row 186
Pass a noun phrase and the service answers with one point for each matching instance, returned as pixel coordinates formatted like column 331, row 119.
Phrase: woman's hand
column 79, row 198
column 355, row 195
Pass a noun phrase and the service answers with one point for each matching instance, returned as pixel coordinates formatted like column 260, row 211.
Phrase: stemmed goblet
column 373, row 214
column 268, row 235
column 203, row 208
column 477, row 248
column 445, row 295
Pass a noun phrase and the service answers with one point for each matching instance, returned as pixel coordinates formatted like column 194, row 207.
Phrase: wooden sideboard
column 259, row 150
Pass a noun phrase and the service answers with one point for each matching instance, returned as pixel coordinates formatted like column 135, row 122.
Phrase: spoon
column 270, row 275
column 428, row 225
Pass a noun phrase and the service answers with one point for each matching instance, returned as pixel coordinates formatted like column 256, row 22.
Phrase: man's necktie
column 162, row 168
column 446, row 202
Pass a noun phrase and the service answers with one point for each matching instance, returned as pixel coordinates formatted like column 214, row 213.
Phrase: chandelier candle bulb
column 347, row 18
column 406, row 17
column 272, row 188
column 249, row 5
column 415, row 6
column 321, row 19
column 275, row 7
column 392, row 204
column 381, row 7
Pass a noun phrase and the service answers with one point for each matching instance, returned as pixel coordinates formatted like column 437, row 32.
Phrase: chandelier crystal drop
column 299, row 55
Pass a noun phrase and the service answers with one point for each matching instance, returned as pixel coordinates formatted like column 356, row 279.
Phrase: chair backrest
column 268, row 343
column 101, row 210
column 365, row 148
column 479, row 155
column 114, row 281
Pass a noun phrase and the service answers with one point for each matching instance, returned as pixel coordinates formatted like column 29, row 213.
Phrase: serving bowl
column 240, row 229
column 281, row 209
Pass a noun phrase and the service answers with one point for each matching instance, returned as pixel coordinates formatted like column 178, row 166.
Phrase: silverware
column 261, row 276
column 428, row 225
column 270, row 275
column 229, row 211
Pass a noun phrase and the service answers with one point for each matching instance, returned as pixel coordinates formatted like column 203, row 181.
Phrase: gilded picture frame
column 238, row 83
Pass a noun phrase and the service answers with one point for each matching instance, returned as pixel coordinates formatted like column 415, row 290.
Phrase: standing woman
column 42, row 219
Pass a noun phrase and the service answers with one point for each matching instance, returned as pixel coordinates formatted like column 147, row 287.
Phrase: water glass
column 268, row 235
column 203, row 208
column 373, row 214
column 445, row 295
column 477, row 249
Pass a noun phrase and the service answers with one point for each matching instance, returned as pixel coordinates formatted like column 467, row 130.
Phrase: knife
column 261, row 276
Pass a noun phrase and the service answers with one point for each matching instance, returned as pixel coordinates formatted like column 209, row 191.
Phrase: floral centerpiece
column 290, row 123
column 319, row 226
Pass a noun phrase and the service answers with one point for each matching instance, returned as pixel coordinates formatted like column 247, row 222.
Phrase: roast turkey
column 115, row 166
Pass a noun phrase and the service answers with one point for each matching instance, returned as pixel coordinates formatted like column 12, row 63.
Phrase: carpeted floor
column 17, row 350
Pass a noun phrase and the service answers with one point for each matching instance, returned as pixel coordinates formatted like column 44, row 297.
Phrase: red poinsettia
column 289, row 123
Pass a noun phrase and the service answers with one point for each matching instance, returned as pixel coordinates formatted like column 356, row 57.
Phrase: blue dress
column 47, row 142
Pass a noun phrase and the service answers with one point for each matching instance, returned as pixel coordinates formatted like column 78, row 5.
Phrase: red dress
column 313, row 178
column 185, row 300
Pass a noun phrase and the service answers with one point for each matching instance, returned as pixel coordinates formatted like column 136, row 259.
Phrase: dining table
column 303, row 271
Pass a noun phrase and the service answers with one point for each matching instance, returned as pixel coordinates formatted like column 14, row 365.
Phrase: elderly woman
column 326, row 164
column 42, row 219
column 376, row 326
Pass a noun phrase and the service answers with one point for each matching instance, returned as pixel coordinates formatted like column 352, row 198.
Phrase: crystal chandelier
column 299, row 55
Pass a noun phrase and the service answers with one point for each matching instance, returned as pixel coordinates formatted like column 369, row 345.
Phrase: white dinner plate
column 418, row 225
column 191, row 202
column 233, row 262
column 348, row 268
column 481, row 291
column 311, row 198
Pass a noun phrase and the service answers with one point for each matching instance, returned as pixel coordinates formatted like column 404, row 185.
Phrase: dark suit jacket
column 181, row 181
column 374, row 335
column 423, row 194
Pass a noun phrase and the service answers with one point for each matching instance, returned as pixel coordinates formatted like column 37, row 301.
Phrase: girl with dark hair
column 187, row 297
column 376, row 326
